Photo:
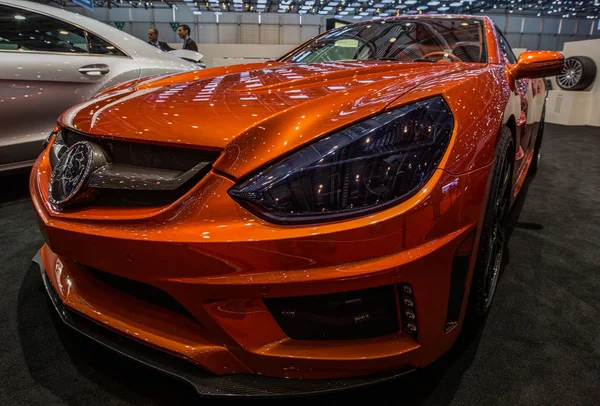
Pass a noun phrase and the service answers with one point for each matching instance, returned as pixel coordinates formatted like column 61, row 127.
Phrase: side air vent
column 458, row 278
column 339, row 316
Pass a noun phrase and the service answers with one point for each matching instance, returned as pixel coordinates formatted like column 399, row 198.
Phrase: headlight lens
column 377, row 162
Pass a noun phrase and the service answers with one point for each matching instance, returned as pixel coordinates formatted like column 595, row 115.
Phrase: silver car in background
column 51, row 59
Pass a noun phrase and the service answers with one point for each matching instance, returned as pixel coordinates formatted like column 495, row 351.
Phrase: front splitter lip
column 205, row 383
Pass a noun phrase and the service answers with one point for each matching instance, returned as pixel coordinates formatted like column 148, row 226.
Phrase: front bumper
column 205, row 383
column 221, row 278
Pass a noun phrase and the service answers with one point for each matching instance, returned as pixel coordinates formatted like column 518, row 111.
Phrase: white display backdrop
column 232, row 54
column 576, row 107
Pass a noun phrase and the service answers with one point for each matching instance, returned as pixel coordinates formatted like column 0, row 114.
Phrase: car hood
column 254, row 112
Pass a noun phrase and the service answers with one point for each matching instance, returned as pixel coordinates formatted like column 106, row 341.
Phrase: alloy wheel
column 571, row 74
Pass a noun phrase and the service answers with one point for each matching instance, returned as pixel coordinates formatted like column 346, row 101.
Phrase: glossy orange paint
column 538, row 64
column 220, row 261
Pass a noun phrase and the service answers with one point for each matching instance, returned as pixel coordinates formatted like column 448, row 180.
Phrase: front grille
column 142, row 198
column 140, row 290
column 145, row 156
column 350, row 315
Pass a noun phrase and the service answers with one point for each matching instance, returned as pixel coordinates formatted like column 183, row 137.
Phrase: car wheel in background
column 578, row 74
column 493, row 232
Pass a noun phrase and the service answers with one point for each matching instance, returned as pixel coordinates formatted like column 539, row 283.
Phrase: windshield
column 403, row 40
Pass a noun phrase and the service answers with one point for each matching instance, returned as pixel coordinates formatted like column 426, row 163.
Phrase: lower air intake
column 350, row 315
column 140, row 290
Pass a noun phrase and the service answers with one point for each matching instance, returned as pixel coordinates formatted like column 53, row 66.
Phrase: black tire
column 493, row 232
column 537, row 149
column 578, row 74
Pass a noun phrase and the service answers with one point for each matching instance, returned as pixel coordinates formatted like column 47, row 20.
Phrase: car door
column 521, row 89
column 48, row 65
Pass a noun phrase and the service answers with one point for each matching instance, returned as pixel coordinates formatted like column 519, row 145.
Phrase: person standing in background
column 184, row 33
column 153, row 40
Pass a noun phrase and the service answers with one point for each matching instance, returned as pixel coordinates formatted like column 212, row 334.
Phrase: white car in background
column 51, row 59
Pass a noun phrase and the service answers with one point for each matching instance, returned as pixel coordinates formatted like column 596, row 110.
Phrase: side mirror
column 538, row 64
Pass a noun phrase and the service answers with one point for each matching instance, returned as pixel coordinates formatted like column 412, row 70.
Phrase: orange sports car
column 331, row 217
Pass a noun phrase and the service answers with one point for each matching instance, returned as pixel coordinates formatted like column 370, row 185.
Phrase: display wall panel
column 514, row 40
column 529, row 41
column 561, row 39
column 249, row 34
column 577, row 38
column 290, row 19
column 228, row 18
column 122, row 14
column 291, row 34
column 312, row 20
column 166, row 15
column 165, row 32
column 228, row 33
column 514, row 24
column 269, row 34
column 532, row 25
column 207, row 18
column 99, row 13
column 183, row 15
column 208, row 34
column 127, row 27
column 269, row 18
column 249, row 18
column 585, row 27
column 308, row 31
column 499, row 20
column 140, row 30
column 551, row 25
column 548, row 42
column 568, row 27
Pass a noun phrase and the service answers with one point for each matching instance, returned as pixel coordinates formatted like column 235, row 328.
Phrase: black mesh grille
column 147, row 155
column 340, row 316
column 140, row 290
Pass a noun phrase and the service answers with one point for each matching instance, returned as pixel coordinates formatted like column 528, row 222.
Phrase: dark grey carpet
column 540, row 345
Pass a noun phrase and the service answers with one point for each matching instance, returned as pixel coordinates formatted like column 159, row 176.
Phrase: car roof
column 126, row 42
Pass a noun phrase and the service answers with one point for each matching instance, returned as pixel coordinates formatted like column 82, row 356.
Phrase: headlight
column 367, row 166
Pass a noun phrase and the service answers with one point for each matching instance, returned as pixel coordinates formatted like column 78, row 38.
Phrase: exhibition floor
column 540, row 345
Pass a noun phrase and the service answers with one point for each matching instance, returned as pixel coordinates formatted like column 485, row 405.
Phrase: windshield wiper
column 385, row 59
